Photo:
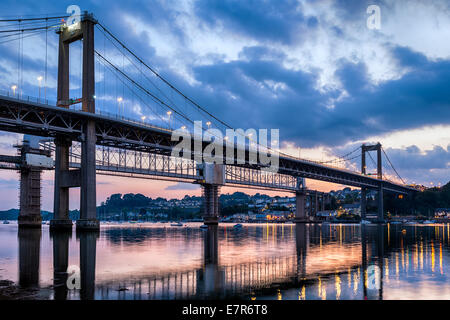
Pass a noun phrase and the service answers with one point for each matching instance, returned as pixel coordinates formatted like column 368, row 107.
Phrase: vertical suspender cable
column 46, row 49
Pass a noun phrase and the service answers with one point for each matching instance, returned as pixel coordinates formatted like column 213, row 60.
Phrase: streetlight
column 39, row 79
column 208, row 124
column 14, row 87
column 119, row 100
column 169, row 113
column 143, row 118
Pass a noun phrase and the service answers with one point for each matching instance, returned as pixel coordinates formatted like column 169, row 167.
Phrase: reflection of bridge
column 261, row 277
column 213, row 279
column 141, row 149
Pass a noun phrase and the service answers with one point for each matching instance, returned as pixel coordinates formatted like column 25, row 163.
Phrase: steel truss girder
column 48, row 121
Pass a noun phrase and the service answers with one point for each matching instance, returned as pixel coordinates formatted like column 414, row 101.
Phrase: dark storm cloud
column 275, row 21
column 421, row 97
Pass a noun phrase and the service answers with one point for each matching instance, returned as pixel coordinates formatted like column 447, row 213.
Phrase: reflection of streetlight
column 119, row 100
column 39, row 79
column 169, row 113
column 14, row 87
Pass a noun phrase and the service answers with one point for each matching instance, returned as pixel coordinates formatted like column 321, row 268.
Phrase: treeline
column 421, row 203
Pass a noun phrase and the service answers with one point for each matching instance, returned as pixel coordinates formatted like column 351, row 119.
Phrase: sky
column 312, row 69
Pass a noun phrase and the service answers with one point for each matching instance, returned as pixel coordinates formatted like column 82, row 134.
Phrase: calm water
column 259, row 261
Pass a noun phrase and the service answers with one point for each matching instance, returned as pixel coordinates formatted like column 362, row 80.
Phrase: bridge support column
column 380, row 205
column 88, row 205
column 30, row 189
column 300, row 210
column 211, row 204
column 213, row 177
column 363, row 203
column 30, row 198
column 322, row 203
column 88, row 202
column 61, row 218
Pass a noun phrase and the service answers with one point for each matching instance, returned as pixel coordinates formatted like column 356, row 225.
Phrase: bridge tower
column 364, row 150
column 85, row 177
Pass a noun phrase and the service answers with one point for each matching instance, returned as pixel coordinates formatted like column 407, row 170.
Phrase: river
column 256, row 261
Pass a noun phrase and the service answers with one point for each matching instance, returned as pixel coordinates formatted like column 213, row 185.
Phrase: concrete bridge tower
column 85, row 177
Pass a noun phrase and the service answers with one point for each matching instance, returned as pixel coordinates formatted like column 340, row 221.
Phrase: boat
column 203, row 226
column 365, row 222
column 237, row 226
column 178, row 224
column 5, row 222
column 428, row 222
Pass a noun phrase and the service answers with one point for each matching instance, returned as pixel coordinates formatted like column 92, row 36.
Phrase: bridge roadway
column 28, row 117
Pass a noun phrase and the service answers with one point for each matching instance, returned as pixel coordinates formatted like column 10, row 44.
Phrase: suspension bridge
column 115, row 114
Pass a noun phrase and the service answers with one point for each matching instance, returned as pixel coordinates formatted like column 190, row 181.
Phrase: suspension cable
column 392, row 166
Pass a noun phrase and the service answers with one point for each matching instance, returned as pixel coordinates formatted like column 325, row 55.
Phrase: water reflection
column 60, row 262
column 256, row 262
column 88, row 246
column 29, row 250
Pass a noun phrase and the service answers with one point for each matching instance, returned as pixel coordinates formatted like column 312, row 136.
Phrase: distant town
column 432, row 203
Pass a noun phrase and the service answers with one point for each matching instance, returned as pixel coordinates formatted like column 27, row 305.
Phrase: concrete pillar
column 88, row 201
column 380, row 204
column 211, row 204
column 30, row 198
column 363, row 203
column 300, row 209
column 60, row 262
column 322, row 202
column 316, row 204
column 61, row 193
column 88, row 246
column 29, row 250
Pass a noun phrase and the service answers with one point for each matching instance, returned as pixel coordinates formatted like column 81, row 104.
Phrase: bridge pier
column 211, row 204
column 30, row 198
column 363, row 203
column 61, row 218
column 300, row 209
column 213, row 177
column 30, row 188
column 380, row 204
column 88, row 205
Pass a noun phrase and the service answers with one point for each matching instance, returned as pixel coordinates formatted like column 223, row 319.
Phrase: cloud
column 183, row 186
column 279, row 22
